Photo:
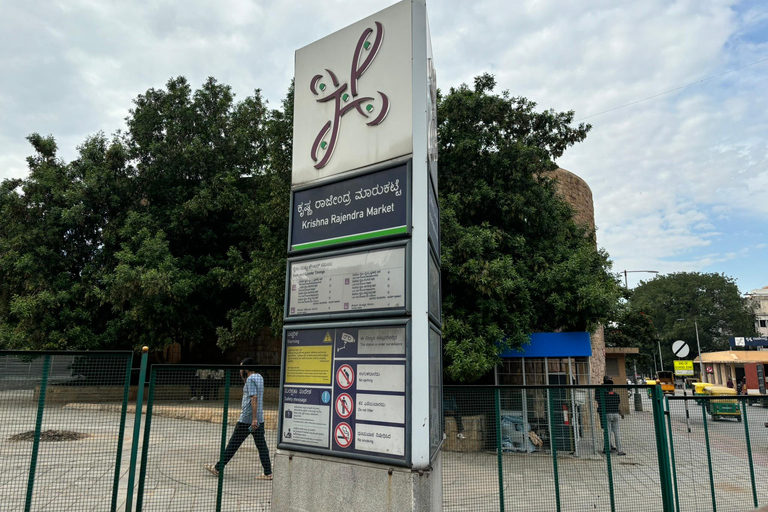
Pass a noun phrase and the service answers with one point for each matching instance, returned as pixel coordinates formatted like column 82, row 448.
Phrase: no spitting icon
column 343, row 435
column 344, row 405
column 345, row 376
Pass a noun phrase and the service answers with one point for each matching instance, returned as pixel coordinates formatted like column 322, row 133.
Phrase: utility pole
column 661, row 361
column 638, row 399
column 704, row 377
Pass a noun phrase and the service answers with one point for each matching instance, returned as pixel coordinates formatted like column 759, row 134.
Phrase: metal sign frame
column 371, row 169
column 405, row 461
column 370, row 313
column 432, row 195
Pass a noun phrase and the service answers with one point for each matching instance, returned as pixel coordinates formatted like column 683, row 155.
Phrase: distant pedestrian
column 612, row 414
column 251, row 422
column 729, row 383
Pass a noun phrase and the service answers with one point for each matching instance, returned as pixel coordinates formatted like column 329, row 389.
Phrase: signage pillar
column 360, row 415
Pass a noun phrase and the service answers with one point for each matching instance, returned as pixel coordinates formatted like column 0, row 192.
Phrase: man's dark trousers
column 241, row 434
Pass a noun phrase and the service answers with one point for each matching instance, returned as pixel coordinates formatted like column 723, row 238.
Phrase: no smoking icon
column 344, row 405
column 343, row 435
column 345, row 376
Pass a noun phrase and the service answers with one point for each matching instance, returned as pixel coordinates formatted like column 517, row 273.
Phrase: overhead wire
column 671, row 90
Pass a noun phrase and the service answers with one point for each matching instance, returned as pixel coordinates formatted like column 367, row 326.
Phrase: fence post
column 145, row 444
column 749, row 451
column 665, row 474
column 499, row 461
column 607, row 447
column 123, row 414
column 223, row 446
column 38, row 429
column 553, row 445
column 136, row 429
column 672, row 454
column 709, row 457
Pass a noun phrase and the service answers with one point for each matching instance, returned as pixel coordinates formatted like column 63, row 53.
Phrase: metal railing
column 545, row 448
column 719, row 452
column 57, row 451
column 71, row 438
column 192, row 419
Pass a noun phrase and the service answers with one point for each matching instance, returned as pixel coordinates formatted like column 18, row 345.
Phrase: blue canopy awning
column 554, row 344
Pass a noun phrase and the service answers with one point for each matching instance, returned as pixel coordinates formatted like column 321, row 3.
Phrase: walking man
column 251, row 422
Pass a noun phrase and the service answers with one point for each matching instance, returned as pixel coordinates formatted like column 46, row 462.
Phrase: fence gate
column 63, row 416
column 191, row 414
column 544, row 448
column 719, row 449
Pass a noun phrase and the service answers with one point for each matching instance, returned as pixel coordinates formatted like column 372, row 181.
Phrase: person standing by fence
column 612, row 414
column 251, row 422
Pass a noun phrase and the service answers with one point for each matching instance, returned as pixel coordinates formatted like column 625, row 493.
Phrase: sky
column 679, row 179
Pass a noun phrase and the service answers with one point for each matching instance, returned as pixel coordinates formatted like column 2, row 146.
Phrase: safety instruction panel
column 363, row 281
column 344, row 390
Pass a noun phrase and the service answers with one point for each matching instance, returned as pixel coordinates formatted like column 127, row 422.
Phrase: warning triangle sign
column 327, row 338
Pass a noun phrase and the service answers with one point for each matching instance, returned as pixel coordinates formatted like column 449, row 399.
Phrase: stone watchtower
column 577, row 193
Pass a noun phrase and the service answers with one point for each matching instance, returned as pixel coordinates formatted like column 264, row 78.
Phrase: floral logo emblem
column 345, row 96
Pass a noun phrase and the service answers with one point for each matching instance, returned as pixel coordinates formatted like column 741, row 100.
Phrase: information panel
column 345, row 390
column 365, row 207
column 364, row 281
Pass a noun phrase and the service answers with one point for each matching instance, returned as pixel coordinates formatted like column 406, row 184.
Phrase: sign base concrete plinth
column 316, row 483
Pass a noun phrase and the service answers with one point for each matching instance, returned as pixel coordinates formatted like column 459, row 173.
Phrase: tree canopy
column 175, row 229
column 677, row 302
column 141, row 239
column 514, row 262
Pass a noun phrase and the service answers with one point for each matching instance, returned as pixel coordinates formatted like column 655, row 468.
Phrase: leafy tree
column 56, row 231
column 135, row 242
column 632, row 328
column 174, row 231
column 675, row 302
column 514, row 262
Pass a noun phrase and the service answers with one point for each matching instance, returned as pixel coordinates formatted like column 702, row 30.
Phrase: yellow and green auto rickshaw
column 726, row 408
column 650, row 382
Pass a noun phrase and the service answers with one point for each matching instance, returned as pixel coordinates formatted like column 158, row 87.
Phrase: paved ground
column 78, row 476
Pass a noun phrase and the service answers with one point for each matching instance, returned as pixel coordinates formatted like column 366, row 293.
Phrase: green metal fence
column 191, row 418
column 545, row 448
column 719, row 448
column 70, row 439
column 58, row 451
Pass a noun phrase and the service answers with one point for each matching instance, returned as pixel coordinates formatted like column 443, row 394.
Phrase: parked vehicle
column 650, row 382
column 667, row 381
column 725, row 408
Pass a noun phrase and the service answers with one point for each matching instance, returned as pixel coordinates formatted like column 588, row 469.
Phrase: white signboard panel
column 380, row 439
column 352, row 103
column 306, row 424
column 365, row 281
column 382, row 408
column 380, row 377
column 382, row 341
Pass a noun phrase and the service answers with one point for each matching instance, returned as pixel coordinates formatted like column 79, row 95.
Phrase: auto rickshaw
column 650, row 382
column 718, row 408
